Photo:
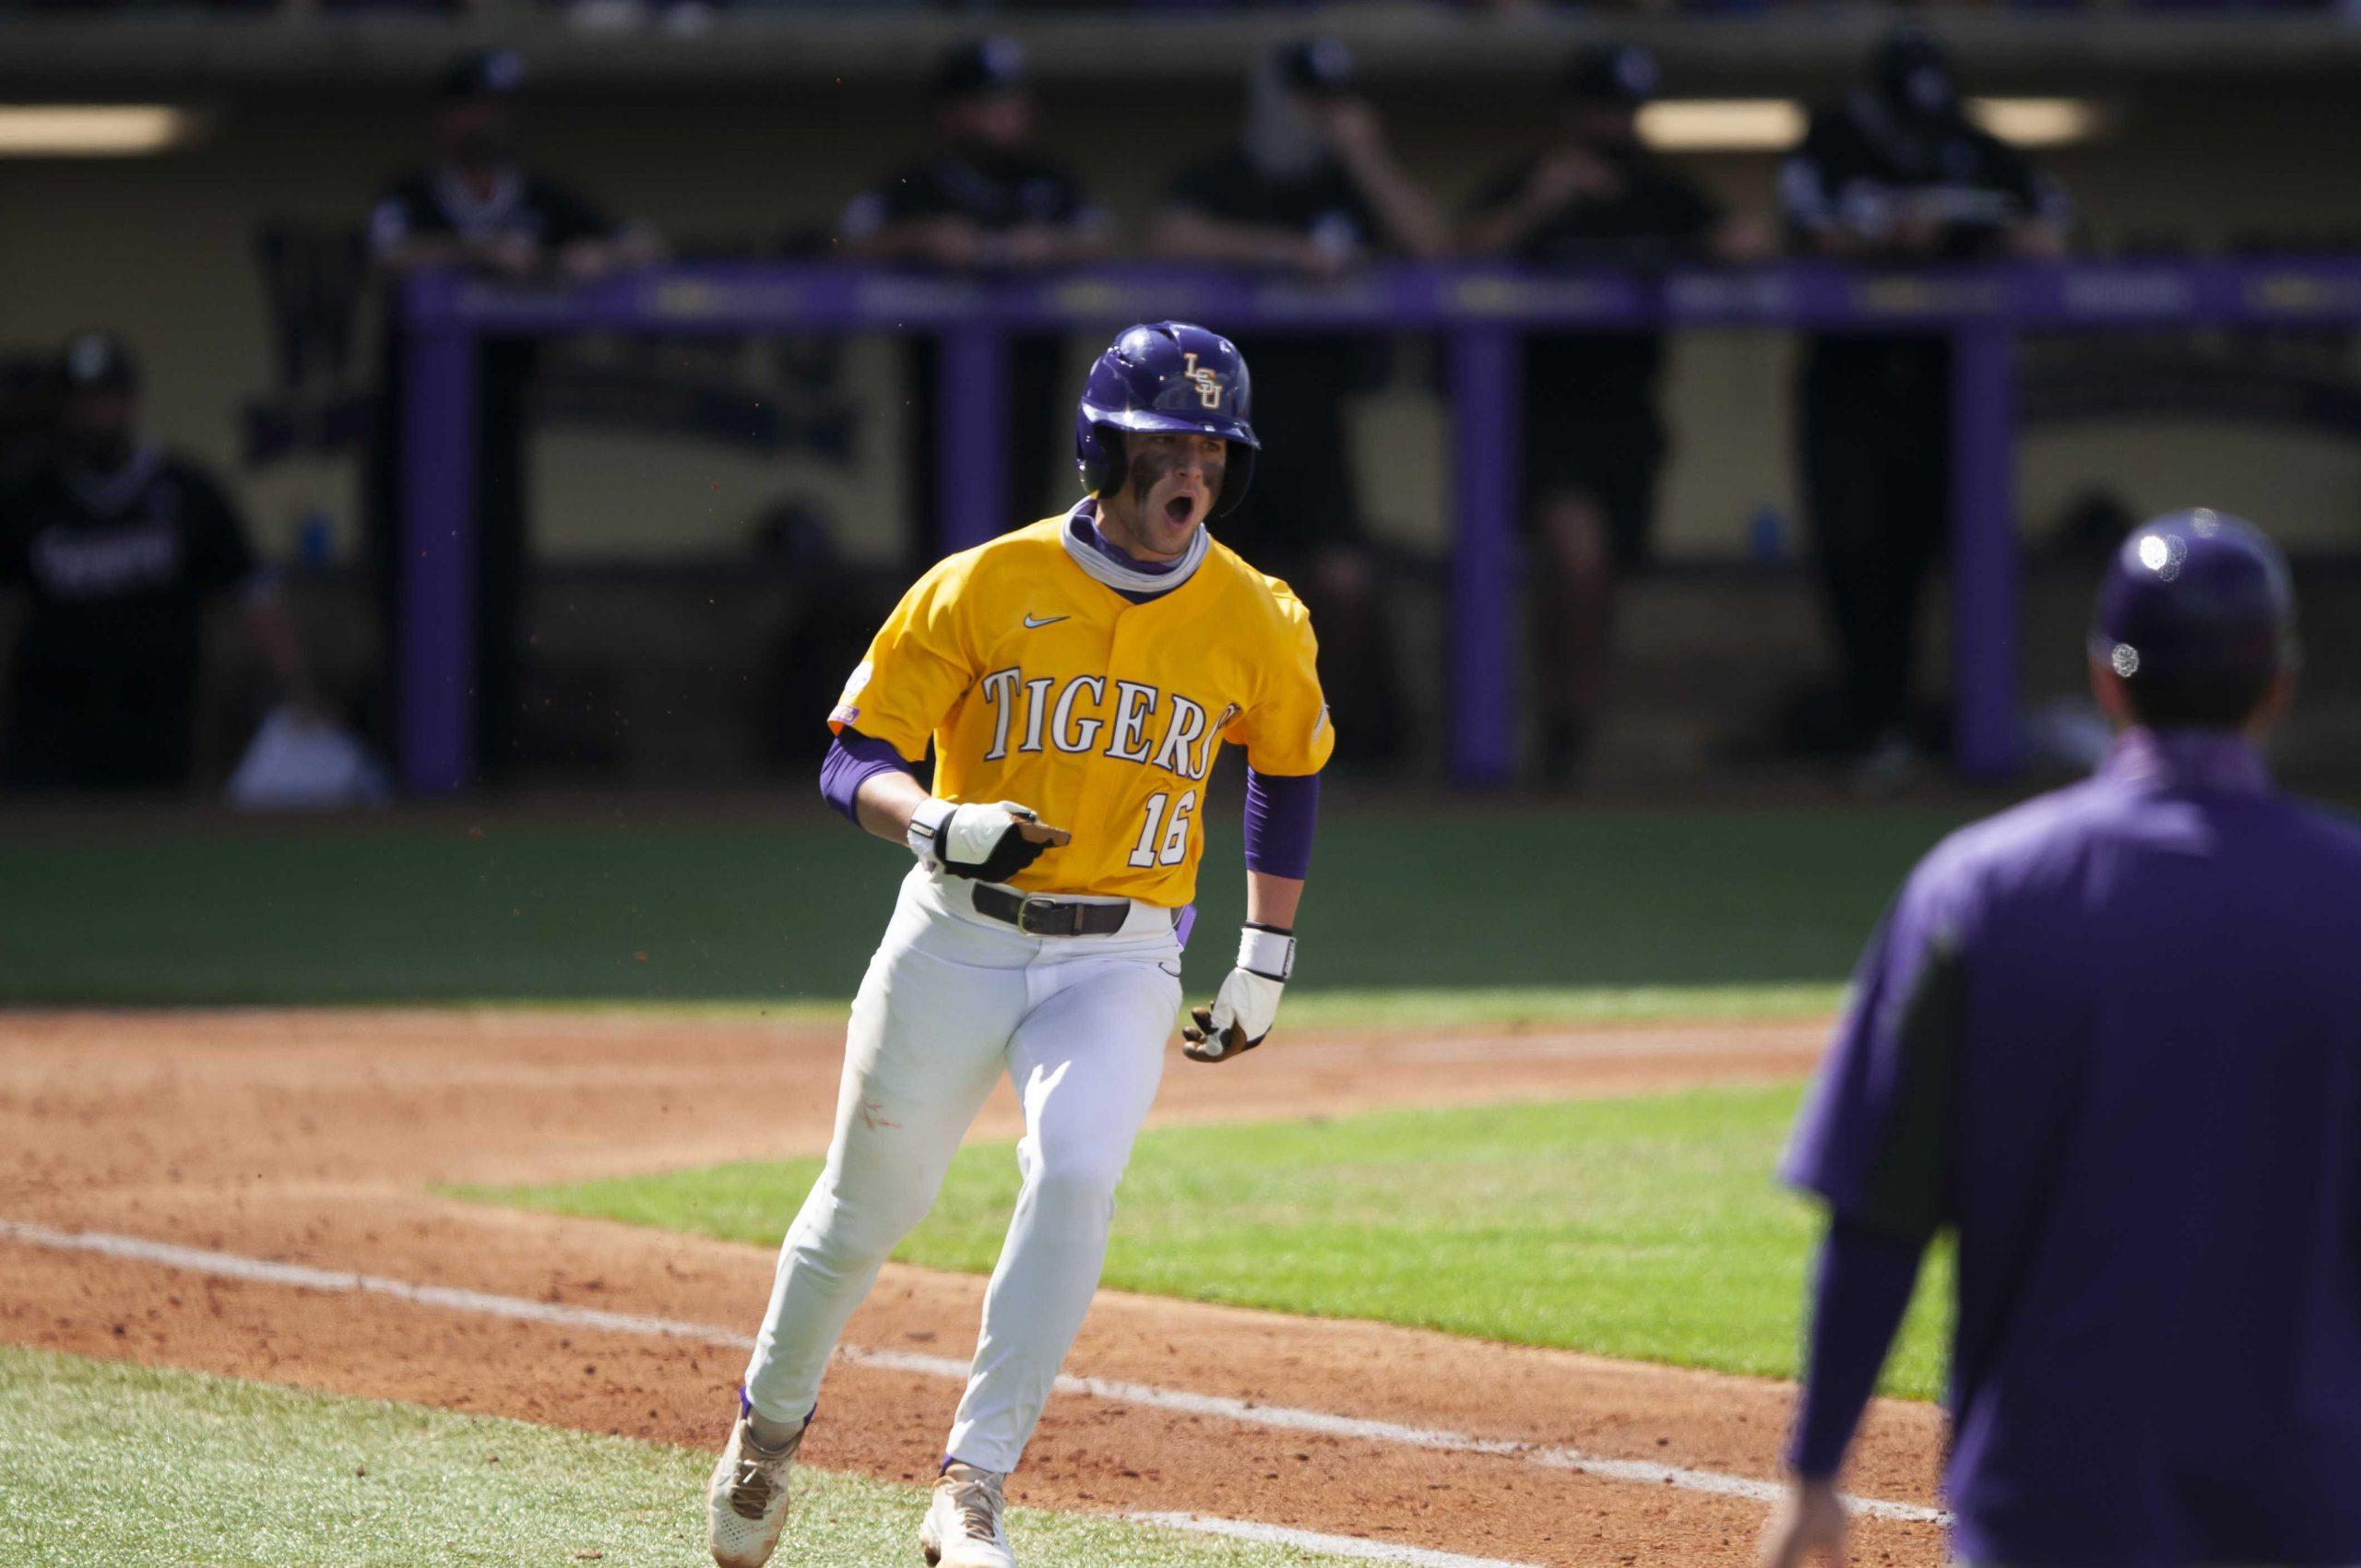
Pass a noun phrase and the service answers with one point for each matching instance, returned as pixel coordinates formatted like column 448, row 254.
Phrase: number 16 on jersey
column 1175, row 846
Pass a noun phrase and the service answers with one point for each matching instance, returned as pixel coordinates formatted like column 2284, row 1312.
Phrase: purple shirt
column 2113, row 1037
column 1860, row 1294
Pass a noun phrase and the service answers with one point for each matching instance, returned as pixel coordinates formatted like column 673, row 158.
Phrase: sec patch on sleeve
column 846, row 711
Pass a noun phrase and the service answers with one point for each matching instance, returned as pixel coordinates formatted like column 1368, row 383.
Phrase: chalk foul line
column 1312, row 1541
column 263, row 1271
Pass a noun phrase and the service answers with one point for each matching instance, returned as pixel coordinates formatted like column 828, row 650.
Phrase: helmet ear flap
column 1236, row 475
column 1102, row 471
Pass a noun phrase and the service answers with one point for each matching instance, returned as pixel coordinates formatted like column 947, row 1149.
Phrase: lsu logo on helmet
column 1208, row 380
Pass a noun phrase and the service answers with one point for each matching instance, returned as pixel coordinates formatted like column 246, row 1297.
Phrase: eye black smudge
column 1146, row 468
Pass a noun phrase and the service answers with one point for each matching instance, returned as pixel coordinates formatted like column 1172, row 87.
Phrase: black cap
column 484, row 73
column 2196, row 616
column 1320, row 66
column 1613, row 73
column 981, row 69
column 1914, row 73
column 97, row 361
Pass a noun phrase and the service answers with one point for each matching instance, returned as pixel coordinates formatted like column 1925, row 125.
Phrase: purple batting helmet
column 2196, row 616
column 1167, row 376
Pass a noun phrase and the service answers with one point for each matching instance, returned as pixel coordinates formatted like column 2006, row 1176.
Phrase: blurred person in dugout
column 983, row 198
column 1311, row 187
column 1896, row 175
column 1593, row 442
column 118, row 547
column 476, row 207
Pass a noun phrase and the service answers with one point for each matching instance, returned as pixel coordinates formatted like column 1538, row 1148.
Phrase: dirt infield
column 310, row 1137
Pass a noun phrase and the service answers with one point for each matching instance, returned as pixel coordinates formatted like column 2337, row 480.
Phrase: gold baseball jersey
column 1040, row 684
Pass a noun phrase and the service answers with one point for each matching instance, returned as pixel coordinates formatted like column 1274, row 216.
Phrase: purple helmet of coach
column 1166, row 377
column 2196, row 615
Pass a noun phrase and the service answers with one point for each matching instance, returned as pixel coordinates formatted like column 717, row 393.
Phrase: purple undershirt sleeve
column 1859, row 1296
column 853, row 760
column 1281, row 813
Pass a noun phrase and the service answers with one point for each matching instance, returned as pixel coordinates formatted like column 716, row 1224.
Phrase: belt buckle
column 1025, row 915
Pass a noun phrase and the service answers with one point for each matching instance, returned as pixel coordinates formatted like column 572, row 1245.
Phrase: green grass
column 1498, row 914
column 107, row 1463
column 1410, row 1007
column 1309, row 1007
column 1647, row 1229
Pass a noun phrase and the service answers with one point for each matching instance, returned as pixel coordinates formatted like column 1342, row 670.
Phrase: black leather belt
column 1037, row 916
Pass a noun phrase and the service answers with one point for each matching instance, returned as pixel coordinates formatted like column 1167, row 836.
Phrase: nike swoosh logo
column 1174, row 973
column 1032, row 624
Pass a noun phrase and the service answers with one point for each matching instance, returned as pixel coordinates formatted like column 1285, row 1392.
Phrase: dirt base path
column 310, row 1138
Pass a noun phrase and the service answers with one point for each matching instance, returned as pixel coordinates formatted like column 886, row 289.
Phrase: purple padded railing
column 1479, row 309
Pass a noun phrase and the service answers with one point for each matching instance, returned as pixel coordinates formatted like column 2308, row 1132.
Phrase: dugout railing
column 1478, row 311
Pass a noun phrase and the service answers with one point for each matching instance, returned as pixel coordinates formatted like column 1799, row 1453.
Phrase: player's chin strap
column 1248, row 1003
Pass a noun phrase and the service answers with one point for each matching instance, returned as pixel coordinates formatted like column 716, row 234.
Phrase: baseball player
column 1313, row 187
column 985, row 198
column 120, row 545
column 1077, row 679
column 1897, row 175
column 475, row 206
column 2112, row 1038
column 1594, row 443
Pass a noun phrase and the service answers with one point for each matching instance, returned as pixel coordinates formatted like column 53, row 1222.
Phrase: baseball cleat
column 962, row 1528
column 745, row 1505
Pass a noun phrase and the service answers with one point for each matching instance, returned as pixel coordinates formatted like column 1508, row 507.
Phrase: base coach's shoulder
column 2015, row 846
column 2333, row 836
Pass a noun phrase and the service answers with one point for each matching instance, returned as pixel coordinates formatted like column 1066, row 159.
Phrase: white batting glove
column 991, row 843
column 1248, row 1002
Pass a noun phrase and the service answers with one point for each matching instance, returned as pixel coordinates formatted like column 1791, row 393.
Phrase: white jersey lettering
column 1000, row 690
column 1205, row 759
column 1066, row 732
column 1037, row 709
column 1187, row 728
column 1134, row 704
column 1074, row 721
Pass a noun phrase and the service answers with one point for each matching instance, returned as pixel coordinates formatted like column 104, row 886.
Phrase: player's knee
column 851, row 1234
column 1079, row 1182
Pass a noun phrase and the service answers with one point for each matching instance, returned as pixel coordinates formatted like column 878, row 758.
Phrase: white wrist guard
column 1248, row 1003
column 927, row 826
column 1263, row 950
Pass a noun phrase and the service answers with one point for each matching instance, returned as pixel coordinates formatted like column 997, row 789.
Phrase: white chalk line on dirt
column 1310, row 1540
column 1245, row 1412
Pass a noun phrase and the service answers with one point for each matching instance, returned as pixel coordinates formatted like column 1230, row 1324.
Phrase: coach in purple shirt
column 2112, row 1038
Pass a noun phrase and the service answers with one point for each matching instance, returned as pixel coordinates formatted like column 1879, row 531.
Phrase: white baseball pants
column 952, row 1000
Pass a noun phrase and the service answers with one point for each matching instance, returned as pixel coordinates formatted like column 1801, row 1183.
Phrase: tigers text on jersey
column 1042, row 685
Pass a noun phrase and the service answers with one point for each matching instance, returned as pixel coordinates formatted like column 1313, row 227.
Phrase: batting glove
column 989, row 843
column 1247, row 1003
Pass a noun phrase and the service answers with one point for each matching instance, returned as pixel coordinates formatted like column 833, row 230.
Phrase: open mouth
column 1179, row 509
